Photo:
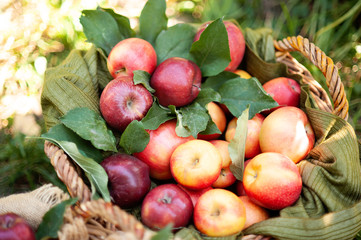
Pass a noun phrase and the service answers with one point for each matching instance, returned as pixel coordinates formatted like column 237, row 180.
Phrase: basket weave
column 96, row 219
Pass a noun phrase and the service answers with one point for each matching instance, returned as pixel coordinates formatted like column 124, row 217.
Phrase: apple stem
column 7, row 224
column 120, row 70
column 196, row 86
column 166, row 199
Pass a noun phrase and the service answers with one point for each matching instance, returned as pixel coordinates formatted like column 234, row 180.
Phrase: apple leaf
column 70, row 143
column 53, row 220
column 211, row 51
column 134, row 138
column 164, row 233
column 123, row 23
column 142, row 77
column 215, row 82
column 236, row 146
column 211, row 128
column 152, row 20
column 207, row 95
column 156, row 116
column 176, row 41
column 238, row 93
column 101, row 28
column 90, row 126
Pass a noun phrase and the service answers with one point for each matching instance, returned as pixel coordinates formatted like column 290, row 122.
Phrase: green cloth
column 74, row 83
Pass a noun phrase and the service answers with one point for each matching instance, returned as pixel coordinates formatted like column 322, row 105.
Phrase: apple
column 128, row 177
column 218, row 117
column 196, row 164
column 254, row 212
column 194, row 194
column 285, row 91
column 236, row 43
column 287, row 130
column 14, row 227
column 176, row 81
column 272, row 181
column 252, row 147
column 239, row 184
column 226, row 177
column 166, row 204
column 129, row 55
column 242, row 73
column 219, row 213
column 121, row 102
column 162, row 142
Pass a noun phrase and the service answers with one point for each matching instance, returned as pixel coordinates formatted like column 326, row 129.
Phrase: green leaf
column 134, row 138
column 61, row 133
column 207, row 95
column 215, row 82
column 90, row 126
column 261, row 42
column 164, row 234
column 71, row 143
column 176, row 41
column 53, row 220
column 123, row 23
column 156, row 115
column 211, row 51
column 101, row 28
column 192, row 119
column 211, row 128
column 142, row 77
column 152, row 20
column 237, row 94
column 236, row 147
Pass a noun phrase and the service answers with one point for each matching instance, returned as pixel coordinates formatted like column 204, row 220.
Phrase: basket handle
column 325, row 64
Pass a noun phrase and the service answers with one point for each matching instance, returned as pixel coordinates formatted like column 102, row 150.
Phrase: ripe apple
column 128, row 177
column 287, row 130
column 121, row 102
column 226, row 177
column 194, row 194
column 272, row 180
column 242, row 73
column 176, row 81
column 14, row 227
column 254, row 212
column 162, row 142
column 196, row 164
column 219, row 213
column 252, row 147
column 129, row 55
column 236, row 43
column 218, row 117
column 285, row 91
column 166, row 204
column 239, row 184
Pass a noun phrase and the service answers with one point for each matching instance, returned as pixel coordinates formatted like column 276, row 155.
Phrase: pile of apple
column 195, row 183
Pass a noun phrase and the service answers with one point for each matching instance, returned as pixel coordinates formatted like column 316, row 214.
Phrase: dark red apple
column 121, row 102
column 128, row 177
column 162, row 142
column 131, row 54
column 14, row 227
column 166, row 204
column 176, row 81
column 236, row 42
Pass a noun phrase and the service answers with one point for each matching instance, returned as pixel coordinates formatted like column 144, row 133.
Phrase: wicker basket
column 96, row 219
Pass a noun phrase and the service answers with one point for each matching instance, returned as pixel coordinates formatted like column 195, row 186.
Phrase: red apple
column 162, row 142
column 194, row 194
column 131, row 54
column 287, row 130
column 218, row 117
column 14, row 227
column 285, row 91
column 176, row 81
column 272, row 180
column 252, row 147
column 254, row 212
column 196, row 164
column 121, row 102
column 219, row 213
column 128, row 177
column 236, row 43
column 166, row 204
column 226, row 177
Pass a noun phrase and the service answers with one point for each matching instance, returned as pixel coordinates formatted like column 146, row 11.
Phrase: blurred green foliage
column 50, row 29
